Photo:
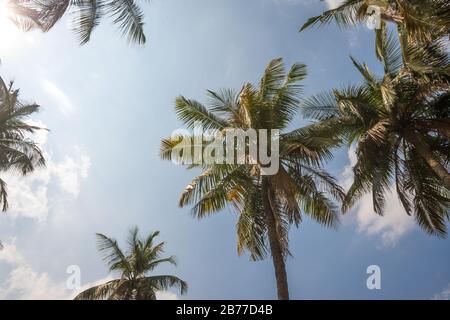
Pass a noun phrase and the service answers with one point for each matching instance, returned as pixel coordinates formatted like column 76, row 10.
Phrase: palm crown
column 400, row 123
column 18, row 152
column 142, row 256
column 423, row 20
column 267, row 205
column 86, row 15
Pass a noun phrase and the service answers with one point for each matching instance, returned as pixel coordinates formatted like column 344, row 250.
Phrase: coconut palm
column 18, row 152
column 266, row 204
column 85, row 16
column 142, row 257
column 423, row 20
column 400, row 123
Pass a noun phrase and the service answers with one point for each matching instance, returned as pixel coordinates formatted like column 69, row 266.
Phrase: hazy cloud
column 23, row 282
column 62, row 101
column 443, row 295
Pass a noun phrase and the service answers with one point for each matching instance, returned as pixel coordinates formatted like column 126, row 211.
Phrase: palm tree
column 400, row 125
column 143, row 256
column 85, row 15
column 266, row 204
column 18, row 153
column 423, row 20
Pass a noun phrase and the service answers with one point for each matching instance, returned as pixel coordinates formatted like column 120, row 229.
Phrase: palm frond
column 129, row 17
column 101, row 292
column 165, row 282
column 345, row 15
column 113, row 256
column 191, row 112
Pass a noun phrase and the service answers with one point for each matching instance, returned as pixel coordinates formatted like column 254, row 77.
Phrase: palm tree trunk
column 275, row 247
column 425, row 152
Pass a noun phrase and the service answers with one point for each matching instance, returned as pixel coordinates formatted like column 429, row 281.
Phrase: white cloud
column 443, row 295
column 24, row 283
column 333, row 3
column 353, row 39
column 392, row 226
column 72, row 170
column 29, row 196
column 63, row 102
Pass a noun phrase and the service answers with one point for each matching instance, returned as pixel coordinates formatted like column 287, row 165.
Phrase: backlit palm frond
column 284, row 191
column 191, row 112
column 20, row 156
column 155, row 263
column 345, row 15
column 309, row 145
column 85, row 16
column 3, row 195
column 424, row 20
column 431, row 200
column 101, row 292
column 427, row 60
column 129, row 17
column 286, row 102
column 314, row 202
column 363, row 69
column 224, row 102
column 372, row 173
column 272, row 80
column 164, row 282
column 88, row 14
column 320, row 107
column 211, row 191
column 251, row 228
column 388, row 50
column 324, row 181
column 113, row 256
column 180, row 149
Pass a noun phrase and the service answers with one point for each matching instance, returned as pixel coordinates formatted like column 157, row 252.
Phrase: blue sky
column 108, row 104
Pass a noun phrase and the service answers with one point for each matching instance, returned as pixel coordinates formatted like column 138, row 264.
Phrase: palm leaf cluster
column 400, row 123
column 300, row 184
column 143, row 255
column 85, row 16
column 18, row 152
column 420, row 20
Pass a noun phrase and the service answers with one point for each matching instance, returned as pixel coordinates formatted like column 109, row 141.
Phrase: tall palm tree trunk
column 425, row 152
column 275, row 247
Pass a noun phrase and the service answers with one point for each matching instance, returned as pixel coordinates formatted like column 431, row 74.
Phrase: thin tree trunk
column 275, row 247
column 425, row 152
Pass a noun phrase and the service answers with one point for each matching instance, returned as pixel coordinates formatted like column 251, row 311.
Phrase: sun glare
column 5, row 11
column 10, row 35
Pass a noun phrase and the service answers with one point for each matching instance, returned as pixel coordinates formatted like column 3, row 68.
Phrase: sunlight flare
column 11, row 37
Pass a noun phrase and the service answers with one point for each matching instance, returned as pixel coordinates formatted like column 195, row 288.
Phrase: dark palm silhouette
column 142, row 257
column 18, row 152
column 85, row 15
